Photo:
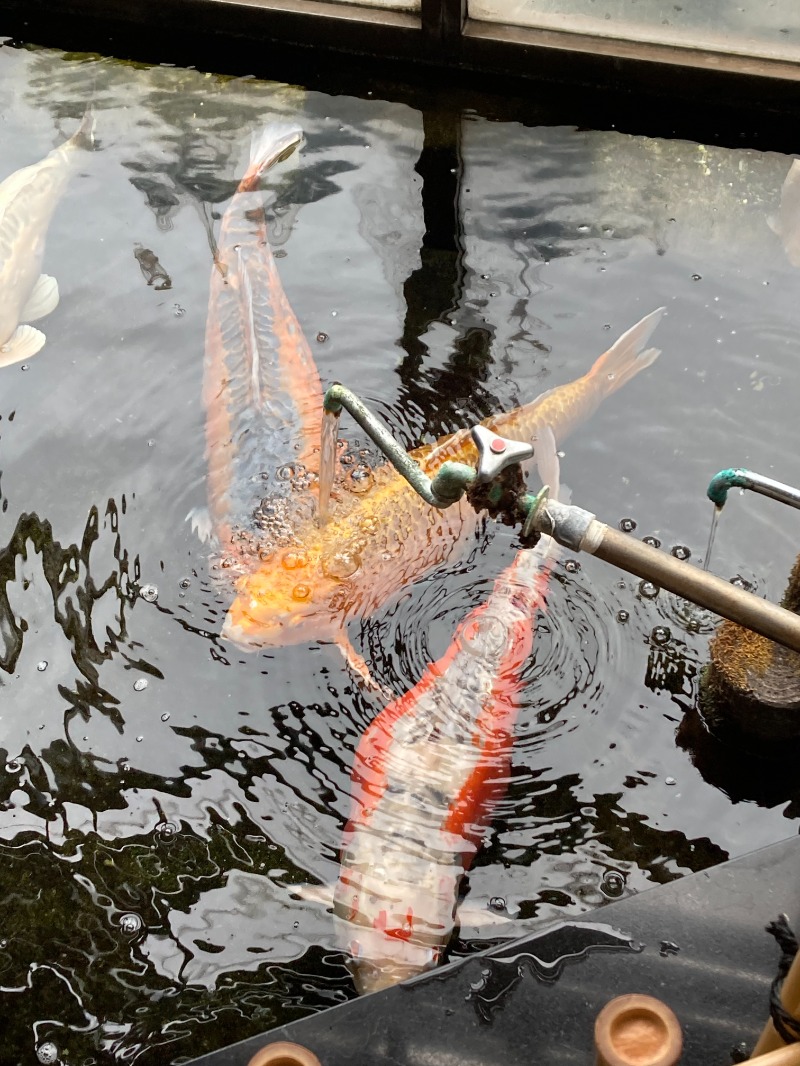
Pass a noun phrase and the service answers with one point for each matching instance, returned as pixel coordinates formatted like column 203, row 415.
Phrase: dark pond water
column 160, row 790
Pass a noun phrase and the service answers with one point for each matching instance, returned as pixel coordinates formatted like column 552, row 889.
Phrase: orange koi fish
column 427, row 775
column 261, row 387
column 377, row 542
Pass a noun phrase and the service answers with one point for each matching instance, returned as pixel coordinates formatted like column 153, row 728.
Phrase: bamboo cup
column 637, row 1031
column 284, row 1053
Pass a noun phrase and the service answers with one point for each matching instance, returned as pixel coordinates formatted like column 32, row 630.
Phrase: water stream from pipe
column 712, row 534
column 327, row 461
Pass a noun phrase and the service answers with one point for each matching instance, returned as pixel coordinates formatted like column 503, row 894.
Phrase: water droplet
column 139, row 740
column 13, row 766
column 613, row 884
column 149, row 593
column 321, row 337
column 165, row 716
column 627, row 525
column 648, row 590
column 680, row 551
column 497, row 903
column 341, row 565
column 654, row 542
column 670, row 781
column 301, row 592
column 130, row 924
column 151, row 443
column 42, row 666
column 140, row 684
column 178, row 311
column 572, row 566
column 660, row 635
column 184, row 583
column 47, row 1053
column 293, row 560
column 623, row 617
column 24, row 367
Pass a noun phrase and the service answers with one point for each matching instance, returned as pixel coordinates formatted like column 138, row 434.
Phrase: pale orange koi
column 382, row 540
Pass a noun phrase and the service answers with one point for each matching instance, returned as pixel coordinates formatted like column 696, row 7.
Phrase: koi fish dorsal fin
column 625, row 358
column 42, row 300
column 23, row 343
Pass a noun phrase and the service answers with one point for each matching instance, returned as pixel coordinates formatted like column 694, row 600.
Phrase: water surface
column 161, row 790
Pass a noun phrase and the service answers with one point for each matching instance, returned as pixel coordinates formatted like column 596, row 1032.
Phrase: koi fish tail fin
column 625, row 358
column 83, row 137
column 275, row 142
column 547, row 461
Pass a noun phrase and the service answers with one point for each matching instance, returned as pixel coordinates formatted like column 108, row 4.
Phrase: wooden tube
column 790, row 997
column 637, row 1030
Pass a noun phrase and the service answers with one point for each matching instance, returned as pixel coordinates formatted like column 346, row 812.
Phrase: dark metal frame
column 343, row 45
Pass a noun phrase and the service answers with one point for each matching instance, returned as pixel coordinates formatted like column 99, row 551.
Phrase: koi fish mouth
column 251, row 633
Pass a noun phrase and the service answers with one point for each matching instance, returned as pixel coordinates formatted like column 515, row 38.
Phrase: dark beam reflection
column 434, row 292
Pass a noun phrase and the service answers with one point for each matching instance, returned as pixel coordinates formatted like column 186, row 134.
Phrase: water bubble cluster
column 47, row 1053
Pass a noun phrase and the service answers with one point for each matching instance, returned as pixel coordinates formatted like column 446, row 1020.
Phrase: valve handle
column 496, row 453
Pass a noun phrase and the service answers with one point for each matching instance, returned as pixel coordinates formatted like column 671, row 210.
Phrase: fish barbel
column 261, row 387
column 377, row 542
column 427, row 775
column 28, row 199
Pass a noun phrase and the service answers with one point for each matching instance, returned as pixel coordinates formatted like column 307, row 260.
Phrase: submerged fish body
column 377, row 542
column 262, row 392
column 787, row 223
column 426, row 776
column 28, row 199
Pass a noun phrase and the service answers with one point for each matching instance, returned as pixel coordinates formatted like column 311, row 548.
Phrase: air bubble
column 185, row 583
column 130, row 924
column 660, row 635
column 654, row 542
column 301, row 592
column 178, row 311
column 572, row 566
column 613, row 884
column 166, row 831
column 140, row 684
column 627, row 525
column 648, row 590
column 497, row 903
column 341, row 565
column 361, row 479
column 680, row 551
column 321, row 337
column 47, row 1053
column 149, row 593
column 42, row 666
column 623, row 617
column 294, row 560
column 697, row 277
column 165, row 716
column 14, row 766
column 670, row 781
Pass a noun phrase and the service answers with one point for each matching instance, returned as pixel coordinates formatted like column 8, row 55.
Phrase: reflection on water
column 161, row 791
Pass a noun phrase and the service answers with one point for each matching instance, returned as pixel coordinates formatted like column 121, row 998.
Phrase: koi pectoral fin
column 200, row 521
column 42, row 300
column 23, row 343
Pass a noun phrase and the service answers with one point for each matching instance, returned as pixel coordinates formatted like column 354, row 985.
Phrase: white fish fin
column 42, row 300
column 275, row 142
column 24, row 343
column 83, row 137
column 322, row 894
column 547, row 462
column 200, row 521
column 625, row 358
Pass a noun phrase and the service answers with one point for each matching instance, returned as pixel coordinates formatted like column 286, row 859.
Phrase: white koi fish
column 28, row 198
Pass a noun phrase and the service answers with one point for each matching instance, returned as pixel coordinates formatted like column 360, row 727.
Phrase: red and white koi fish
column 427, row 774
column 28, row 198
column 261, row 387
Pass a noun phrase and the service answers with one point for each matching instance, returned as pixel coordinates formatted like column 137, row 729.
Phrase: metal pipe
column 581, row 531
column 452, row 479
column 738, row 478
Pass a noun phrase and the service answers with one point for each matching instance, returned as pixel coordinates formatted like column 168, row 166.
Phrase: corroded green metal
column 738, row 478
